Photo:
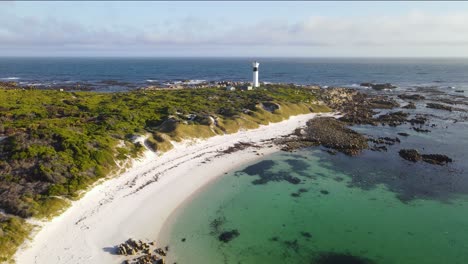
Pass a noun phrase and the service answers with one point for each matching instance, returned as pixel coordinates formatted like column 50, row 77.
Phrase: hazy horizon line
column 242, row 57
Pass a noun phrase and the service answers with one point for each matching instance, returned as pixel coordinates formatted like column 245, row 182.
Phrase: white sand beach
column 135, row 205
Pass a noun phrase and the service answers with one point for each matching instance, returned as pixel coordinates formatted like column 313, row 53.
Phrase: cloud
column 378, row 31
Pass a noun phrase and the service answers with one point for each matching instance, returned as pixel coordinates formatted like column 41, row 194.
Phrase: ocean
column 118, row 74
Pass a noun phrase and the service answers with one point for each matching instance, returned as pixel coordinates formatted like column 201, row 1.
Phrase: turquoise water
column 330, row 214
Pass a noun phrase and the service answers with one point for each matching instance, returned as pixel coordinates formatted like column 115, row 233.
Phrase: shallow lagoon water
column 331, row 214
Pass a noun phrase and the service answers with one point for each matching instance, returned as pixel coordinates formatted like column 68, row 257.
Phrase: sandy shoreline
column 135, row 205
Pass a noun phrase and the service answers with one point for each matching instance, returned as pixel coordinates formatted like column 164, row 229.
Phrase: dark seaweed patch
column 324, row 192
column 298, row 165
column 292, row 245
column 306, row 234
column 340, row 258
column 216, row 225
column 259, row 168
column 262, row 169
column 228, row 235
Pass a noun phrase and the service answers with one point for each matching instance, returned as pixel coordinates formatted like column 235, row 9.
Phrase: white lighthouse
column 255, row 74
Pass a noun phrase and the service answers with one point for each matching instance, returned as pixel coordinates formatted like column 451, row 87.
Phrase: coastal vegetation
column 55, row 144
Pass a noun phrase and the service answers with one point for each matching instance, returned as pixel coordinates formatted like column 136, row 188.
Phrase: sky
column 234, row 29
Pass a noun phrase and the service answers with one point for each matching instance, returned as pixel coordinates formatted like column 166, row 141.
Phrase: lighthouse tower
column 255, row 74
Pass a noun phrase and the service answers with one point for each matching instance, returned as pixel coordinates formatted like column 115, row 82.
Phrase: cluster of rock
column 378, row 86
column 439, row 106
column 142, row 252
column 380, row 144
column 414, row 97
column 410, row 105
column 329, row 132
column 359, row 108
column 414, row 156
column 9, row 85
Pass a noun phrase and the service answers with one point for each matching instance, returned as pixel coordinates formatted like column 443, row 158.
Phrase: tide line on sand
column 138, row 202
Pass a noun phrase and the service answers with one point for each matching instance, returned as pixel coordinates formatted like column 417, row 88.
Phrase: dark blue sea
column 114, row 74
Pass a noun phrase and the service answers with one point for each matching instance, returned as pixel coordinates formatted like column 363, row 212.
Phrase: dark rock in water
column 439, row 106
column 332, row 133
column 420, row 120
column 393, row 119
column 331, row 151
column 413, row 155
column 437, row 159
column 357, row 107
column 295, row 194
column 410, row 154
column 302, row 190
column 410, row 105
column 379, row 86
column 385, row 140
column 417, row 129
column 379, row 148
column 228, row 235
column 459, row 91
column 411, row 97
column 340, row 258
column 324, row 192
column 403, row 134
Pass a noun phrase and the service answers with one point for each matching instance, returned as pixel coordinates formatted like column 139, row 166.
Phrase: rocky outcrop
column 437, row 159
column 414, row 97
column 379, row 86
column 329, row 132
column 358, row 108
column 410, row 105
column 439, row 106
column 414, row 156
column 393, row 118
column 139, row 252
column 410, row 154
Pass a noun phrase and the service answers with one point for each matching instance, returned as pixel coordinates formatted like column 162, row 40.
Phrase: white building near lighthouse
column 255, row 82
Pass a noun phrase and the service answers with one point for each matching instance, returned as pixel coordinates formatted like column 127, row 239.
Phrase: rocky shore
column 330, row 133
column 358, row 108
column 139, row 252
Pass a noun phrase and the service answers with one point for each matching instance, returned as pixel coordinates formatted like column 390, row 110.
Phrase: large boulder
column 411, row 97
column 410, row 154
